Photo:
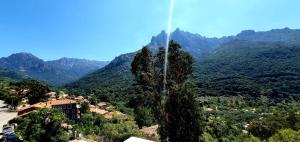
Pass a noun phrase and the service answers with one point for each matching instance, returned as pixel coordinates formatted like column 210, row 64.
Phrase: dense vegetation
column 12, row 91
column 6, row 74
column 110, row 83
column 251, row 69
column 96, row 127
column 43, row 125
column 222, row 119
column 236, row 119
column 47, row 125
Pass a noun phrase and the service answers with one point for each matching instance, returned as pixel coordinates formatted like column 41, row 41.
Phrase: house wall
column 70, row 110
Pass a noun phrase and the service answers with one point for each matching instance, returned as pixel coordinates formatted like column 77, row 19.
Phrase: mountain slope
column 251, row 69
column 56, row 72
column 24, row 62
column 113, row 79
column 110, row 78
column 78, row 67
column 116, row 77
column 11, row 75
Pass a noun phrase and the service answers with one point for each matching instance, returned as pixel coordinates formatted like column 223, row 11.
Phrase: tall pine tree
column 176, row 112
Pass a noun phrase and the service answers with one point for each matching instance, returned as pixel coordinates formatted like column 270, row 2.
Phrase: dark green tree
column 90, row 123
column 12, row 100
column 294, row 120
column 37, row 91
column 182, row 122
column 143, row 69
column 286, row 135
column 148, row 71
column 43, row 125
column 92, row 99
column 180, row 64
column 144, row 116
column 85, row 106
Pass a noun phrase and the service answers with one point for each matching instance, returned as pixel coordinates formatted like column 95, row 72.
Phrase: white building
column 135, row 139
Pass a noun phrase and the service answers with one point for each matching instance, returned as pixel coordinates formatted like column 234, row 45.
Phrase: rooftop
column 150, row 131
column 48, row 104
column 61, row 102
column 98, row 111
column 135, row 139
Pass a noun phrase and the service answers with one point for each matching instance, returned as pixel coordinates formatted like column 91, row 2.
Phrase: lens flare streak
column 170, row 20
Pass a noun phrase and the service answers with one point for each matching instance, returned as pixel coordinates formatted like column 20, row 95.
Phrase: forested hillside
column 251, row 69
column 249, row 64
column 113, row 80
column 8, row 74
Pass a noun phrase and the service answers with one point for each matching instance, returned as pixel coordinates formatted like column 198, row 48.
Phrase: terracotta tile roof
column 120, row 113
column 110, row 115
column 49, row 104
column 22, row 107
column 150, row 131
column 61, row 102
column 41, row 105
column 80, row 98
column 106, row 114
column 98, row 111
column 103, row 104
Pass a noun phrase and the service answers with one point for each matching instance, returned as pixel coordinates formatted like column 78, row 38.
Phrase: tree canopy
column 175, row 111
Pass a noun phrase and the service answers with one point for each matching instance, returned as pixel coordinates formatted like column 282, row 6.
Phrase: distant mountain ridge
column 117, row 78
column 56, row 72
column 195, row 44
column 276, row 35
column 78, row 66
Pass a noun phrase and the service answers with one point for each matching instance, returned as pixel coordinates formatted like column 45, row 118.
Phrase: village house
column 105, row 113
column 12, row 92
column 69, row 107
column 79, row 98
column 151, row 131
column 103, row 105
column 136, row 139
column 51, row 95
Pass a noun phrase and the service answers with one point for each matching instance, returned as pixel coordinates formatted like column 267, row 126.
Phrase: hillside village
column 71, row 106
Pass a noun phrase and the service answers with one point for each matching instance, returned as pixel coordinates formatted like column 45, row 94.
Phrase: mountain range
column 56, row 72
column 249, row 63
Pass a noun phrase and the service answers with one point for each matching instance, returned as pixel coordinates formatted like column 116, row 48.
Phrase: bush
column 286, row 135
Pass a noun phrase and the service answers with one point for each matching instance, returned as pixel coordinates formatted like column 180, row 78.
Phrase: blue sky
column 104, row 29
